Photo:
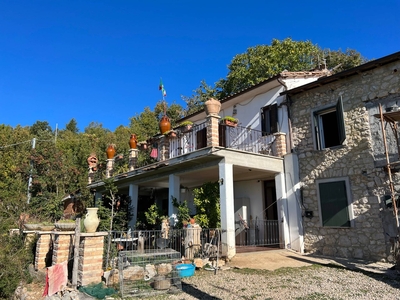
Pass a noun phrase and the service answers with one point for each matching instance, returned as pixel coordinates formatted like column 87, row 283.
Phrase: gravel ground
column 314, row 282
column 303, row 283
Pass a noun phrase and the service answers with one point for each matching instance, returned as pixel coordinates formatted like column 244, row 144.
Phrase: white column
column 292, row 176
column 227, row 209
column 173, row 191
column 134, row 195
column 282, row 210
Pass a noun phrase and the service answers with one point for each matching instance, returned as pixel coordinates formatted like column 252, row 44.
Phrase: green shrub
column 15, row 258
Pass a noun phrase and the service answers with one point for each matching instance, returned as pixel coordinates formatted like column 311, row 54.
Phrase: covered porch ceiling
column 203, row 166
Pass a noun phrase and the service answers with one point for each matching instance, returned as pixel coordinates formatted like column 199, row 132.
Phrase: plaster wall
column 355, row 160
column 253, row 190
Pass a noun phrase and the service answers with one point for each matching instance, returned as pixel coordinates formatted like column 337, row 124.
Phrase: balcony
column 180, row 142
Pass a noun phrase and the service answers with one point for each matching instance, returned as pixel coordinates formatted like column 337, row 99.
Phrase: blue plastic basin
column 185, row 270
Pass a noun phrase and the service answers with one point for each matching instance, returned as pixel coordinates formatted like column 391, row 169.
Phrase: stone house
column 247, row 161
column 346, row 186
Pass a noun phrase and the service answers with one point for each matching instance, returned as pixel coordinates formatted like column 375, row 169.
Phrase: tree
column 72, row 126
column 196, row 102
column 41, row 129
column 261, row 62
column 339, row 61
column 207, row 202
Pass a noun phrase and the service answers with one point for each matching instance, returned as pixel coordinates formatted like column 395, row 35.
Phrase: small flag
column 161, row 88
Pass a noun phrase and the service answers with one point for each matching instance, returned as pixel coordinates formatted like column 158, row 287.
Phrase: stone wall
column 355, row 160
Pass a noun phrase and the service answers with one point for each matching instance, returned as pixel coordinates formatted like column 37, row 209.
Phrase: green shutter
column 340, row 120
column 334, row 204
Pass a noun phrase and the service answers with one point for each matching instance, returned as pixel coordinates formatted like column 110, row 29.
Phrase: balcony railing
column 238, row 138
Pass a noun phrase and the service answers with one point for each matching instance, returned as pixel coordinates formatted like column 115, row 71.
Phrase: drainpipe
column 287, row 102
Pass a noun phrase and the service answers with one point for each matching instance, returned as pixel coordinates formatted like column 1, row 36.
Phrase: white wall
column 254, row 191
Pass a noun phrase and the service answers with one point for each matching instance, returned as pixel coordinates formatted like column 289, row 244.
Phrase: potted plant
column 170, row 133
column 185, row 126
column 229, row 121
column 142, row 145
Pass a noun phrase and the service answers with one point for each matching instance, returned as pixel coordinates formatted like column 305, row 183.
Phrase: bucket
column 185, row 270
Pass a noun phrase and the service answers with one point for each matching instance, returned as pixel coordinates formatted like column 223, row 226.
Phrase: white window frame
column 349, row 200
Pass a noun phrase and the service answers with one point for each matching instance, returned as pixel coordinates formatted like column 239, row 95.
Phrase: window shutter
column 263, row 129
column 273, row 117
column 222, row 135
column 334, row 204
column 201, row 138
column 340, row 120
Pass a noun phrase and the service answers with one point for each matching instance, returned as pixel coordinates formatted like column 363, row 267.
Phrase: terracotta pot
column 110, row 152
column 133, row 141
column 91, row 221
column 186, row 128
column 212, row 106
column 165, row 124
column 229, row 123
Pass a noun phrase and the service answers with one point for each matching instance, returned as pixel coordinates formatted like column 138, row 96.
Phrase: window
column 334, row 201
column 269, row 119
column 329, row 126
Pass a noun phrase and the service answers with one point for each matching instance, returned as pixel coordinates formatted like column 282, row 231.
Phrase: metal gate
column 257, row 233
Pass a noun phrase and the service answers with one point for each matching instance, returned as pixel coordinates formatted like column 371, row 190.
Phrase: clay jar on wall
column 133, row 141
column 165, row 124
column 91, row 221
column 110, row 151
column 212, row 106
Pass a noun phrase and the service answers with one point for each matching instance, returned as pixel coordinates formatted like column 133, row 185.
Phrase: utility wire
column 11, row 145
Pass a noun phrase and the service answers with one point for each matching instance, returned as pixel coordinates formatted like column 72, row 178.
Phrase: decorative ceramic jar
column 91, row 221
column 110, row 151
column 133, row 141
column 165, row 124
column 212, row 106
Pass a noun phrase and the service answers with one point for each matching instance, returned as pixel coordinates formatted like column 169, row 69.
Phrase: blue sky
column 101, row 61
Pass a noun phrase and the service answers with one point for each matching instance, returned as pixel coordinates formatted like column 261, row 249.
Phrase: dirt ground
column 265, row 260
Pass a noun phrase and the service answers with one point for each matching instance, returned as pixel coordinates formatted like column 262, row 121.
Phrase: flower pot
column 212, row 106
column 133, row 141
column 165, row 124
column 229, row 123
column 92, row 221
column 68, row 226
column 172, row 134
column 142, row 146
column 110, row 152
column 186, row 128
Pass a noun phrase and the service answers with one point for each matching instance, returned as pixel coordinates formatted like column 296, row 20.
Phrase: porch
column 239, row 158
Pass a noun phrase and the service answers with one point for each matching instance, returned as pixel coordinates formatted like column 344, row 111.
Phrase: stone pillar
column 43, row 248
column 134, row 195
column 91, row 175
column 279, row 146
column 163, row 146
column 90, row 267
column 109, row 167
column 63, row 242
column 212, row 130
column 133, row 157
column 227, row 209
